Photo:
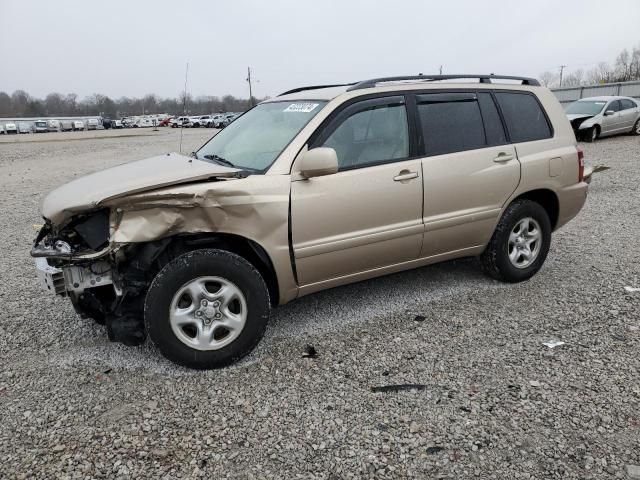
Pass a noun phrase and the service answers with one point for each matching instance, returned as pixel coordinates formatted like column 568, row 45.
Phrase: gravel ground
column 491, row 400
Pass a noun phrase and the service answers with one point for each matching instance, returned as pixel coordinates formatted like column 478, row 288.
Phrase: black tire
column 636, row 128
column 592, row 134
column 187, row 267
column 495, row 259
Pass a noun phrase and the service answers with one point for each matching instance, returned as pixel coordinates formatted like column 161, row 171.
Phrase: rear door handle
column 405, row 175
column 503, row 157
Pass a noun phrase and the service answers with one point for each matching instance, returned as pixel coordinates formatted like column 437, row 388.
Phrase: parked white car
column 92, row 124
column 78, row 125
column 116, row 124
column 53, row 125
column 217, row 119
column 179, row 122
column 10, row 128
column 24, row 127
column 596, row 117
column 143, row 122
column 200, row 121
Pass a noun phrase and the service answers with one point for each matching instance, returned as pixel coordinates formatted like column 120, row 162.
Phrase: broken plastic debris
column 433, row 450
column 309, row 351
column 632, row 289
column 398, row 388
column 553, row 344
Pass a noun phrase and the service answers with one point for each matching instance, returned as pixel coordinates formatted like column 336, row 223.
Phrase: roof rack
column 484, row 78
column 316, row 87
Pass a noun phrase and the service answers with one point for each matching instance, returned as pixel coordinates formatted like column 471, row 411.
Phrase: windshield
column 254, row 140
column 586, row 108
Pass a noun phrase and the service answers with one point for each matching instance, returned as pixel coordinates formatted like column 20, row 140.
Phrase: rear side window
column 450, row 126
column 627, row 104
column 524, row 117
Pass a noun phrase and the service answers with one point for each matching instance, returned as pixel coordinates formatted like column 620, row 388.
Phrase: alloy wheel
column 524, row 243
column 208, row 313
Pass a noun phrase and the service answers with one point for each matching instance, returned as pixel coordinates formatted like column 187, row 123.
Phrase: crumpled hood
column 90, row 191
column 575, row 116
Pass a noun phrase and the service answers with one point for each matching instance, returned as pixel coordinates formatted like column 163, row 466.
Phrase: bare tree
column 622, row 70
column 20, row 103
column 627, row 67
column 600, row 74
column 573, row 79
column 5, row 105
column 549, row 79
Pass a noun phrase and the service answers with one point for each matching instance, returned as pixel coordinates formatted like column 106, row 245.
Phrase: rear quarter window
column 523, row 116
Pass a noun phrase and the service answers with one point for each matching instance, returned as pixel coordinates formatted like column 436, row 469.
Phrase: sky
column 135, row 47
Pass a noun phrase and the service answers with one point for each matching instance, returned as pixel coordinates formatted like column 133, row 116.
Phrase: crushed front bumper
column 72, row 279
column 51, row 278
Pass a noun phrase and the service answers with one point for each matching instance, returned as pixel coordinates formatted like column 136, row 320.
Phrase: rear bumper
column 571, row 200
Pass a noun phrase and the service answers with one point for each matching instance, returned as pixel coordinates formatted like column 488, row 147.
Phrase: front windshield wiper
column 219, row 159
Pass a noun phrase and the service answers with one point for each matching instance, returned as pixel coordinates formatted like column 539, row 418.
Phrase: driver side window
column 370, row 135
column 615, row 106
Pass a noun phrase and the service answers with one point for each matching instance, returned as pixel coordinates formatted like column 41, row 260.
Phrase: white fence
column 571, row 94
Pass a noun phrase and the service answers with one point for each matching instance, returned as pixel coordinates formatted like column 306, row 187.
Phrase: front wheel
column 592, row 134
column 519, row 244
column 207, row 309
column 636, row 128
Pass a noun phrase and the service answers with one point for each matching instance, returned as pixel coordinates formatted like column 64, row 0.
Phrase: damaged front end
column 77, row 261
column 107, row 235
column 581, row 124
column 78, row 255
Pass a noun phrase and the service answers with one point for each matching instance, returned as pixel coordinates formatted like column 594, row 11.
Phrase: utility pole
column 562, row 67
column 250, row 92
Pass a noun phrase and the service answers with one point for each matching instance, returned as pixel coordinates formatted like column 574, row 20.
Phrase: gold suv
column 318, row 187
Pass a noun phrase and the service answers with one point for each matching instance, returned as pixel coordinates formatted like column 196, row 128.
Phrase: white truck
column 40, row 126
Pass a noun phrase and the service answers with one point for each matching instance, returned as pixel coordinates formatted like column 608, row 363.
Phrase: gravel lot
column 494, row 402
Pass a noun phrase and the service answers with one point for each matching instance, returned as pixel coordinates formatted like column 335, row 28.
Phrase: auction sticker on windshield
column 301, row 107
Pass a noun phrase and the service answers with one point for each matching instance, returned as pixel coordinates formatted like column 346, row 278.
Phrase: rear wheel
column 207, row 309
column 636, row 128
column 520, row 243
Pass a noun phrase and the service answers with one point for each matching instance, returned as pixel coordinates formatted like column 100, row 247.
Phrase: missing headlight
column 94, row 230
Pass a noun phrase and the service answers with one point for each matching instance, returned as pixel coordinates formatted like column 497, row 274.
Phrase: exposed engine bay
column 103, row 281
column 576, row 122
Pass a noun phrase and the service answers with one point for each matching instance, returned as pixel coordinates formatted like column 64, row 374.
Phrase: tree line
column 626, row 68
column 21, row 104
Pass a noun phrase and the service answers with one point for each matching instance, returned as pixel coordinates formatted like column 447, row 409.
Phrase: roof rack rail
column 484, row 78
column 316, row 87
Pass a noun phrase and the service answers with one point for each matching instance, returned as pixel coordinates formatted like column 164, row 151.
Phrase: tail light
column 580, row 164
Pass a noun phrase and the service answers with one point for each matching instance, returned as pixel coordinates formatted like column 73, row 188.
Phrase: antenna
column 184, row 104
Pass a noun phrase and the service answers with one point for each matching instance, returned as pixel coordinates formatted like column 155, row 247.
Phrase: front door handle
column 503, row 157
column 405, row 175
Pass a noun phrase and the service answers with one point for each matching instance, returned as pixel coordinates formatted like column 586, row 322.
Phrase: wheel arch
column 171, row 247
column 547, row 199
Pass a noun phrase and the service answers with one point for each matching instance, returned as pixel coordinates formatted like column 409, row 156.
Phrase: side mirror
column 609, row 112
column 318, row 162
